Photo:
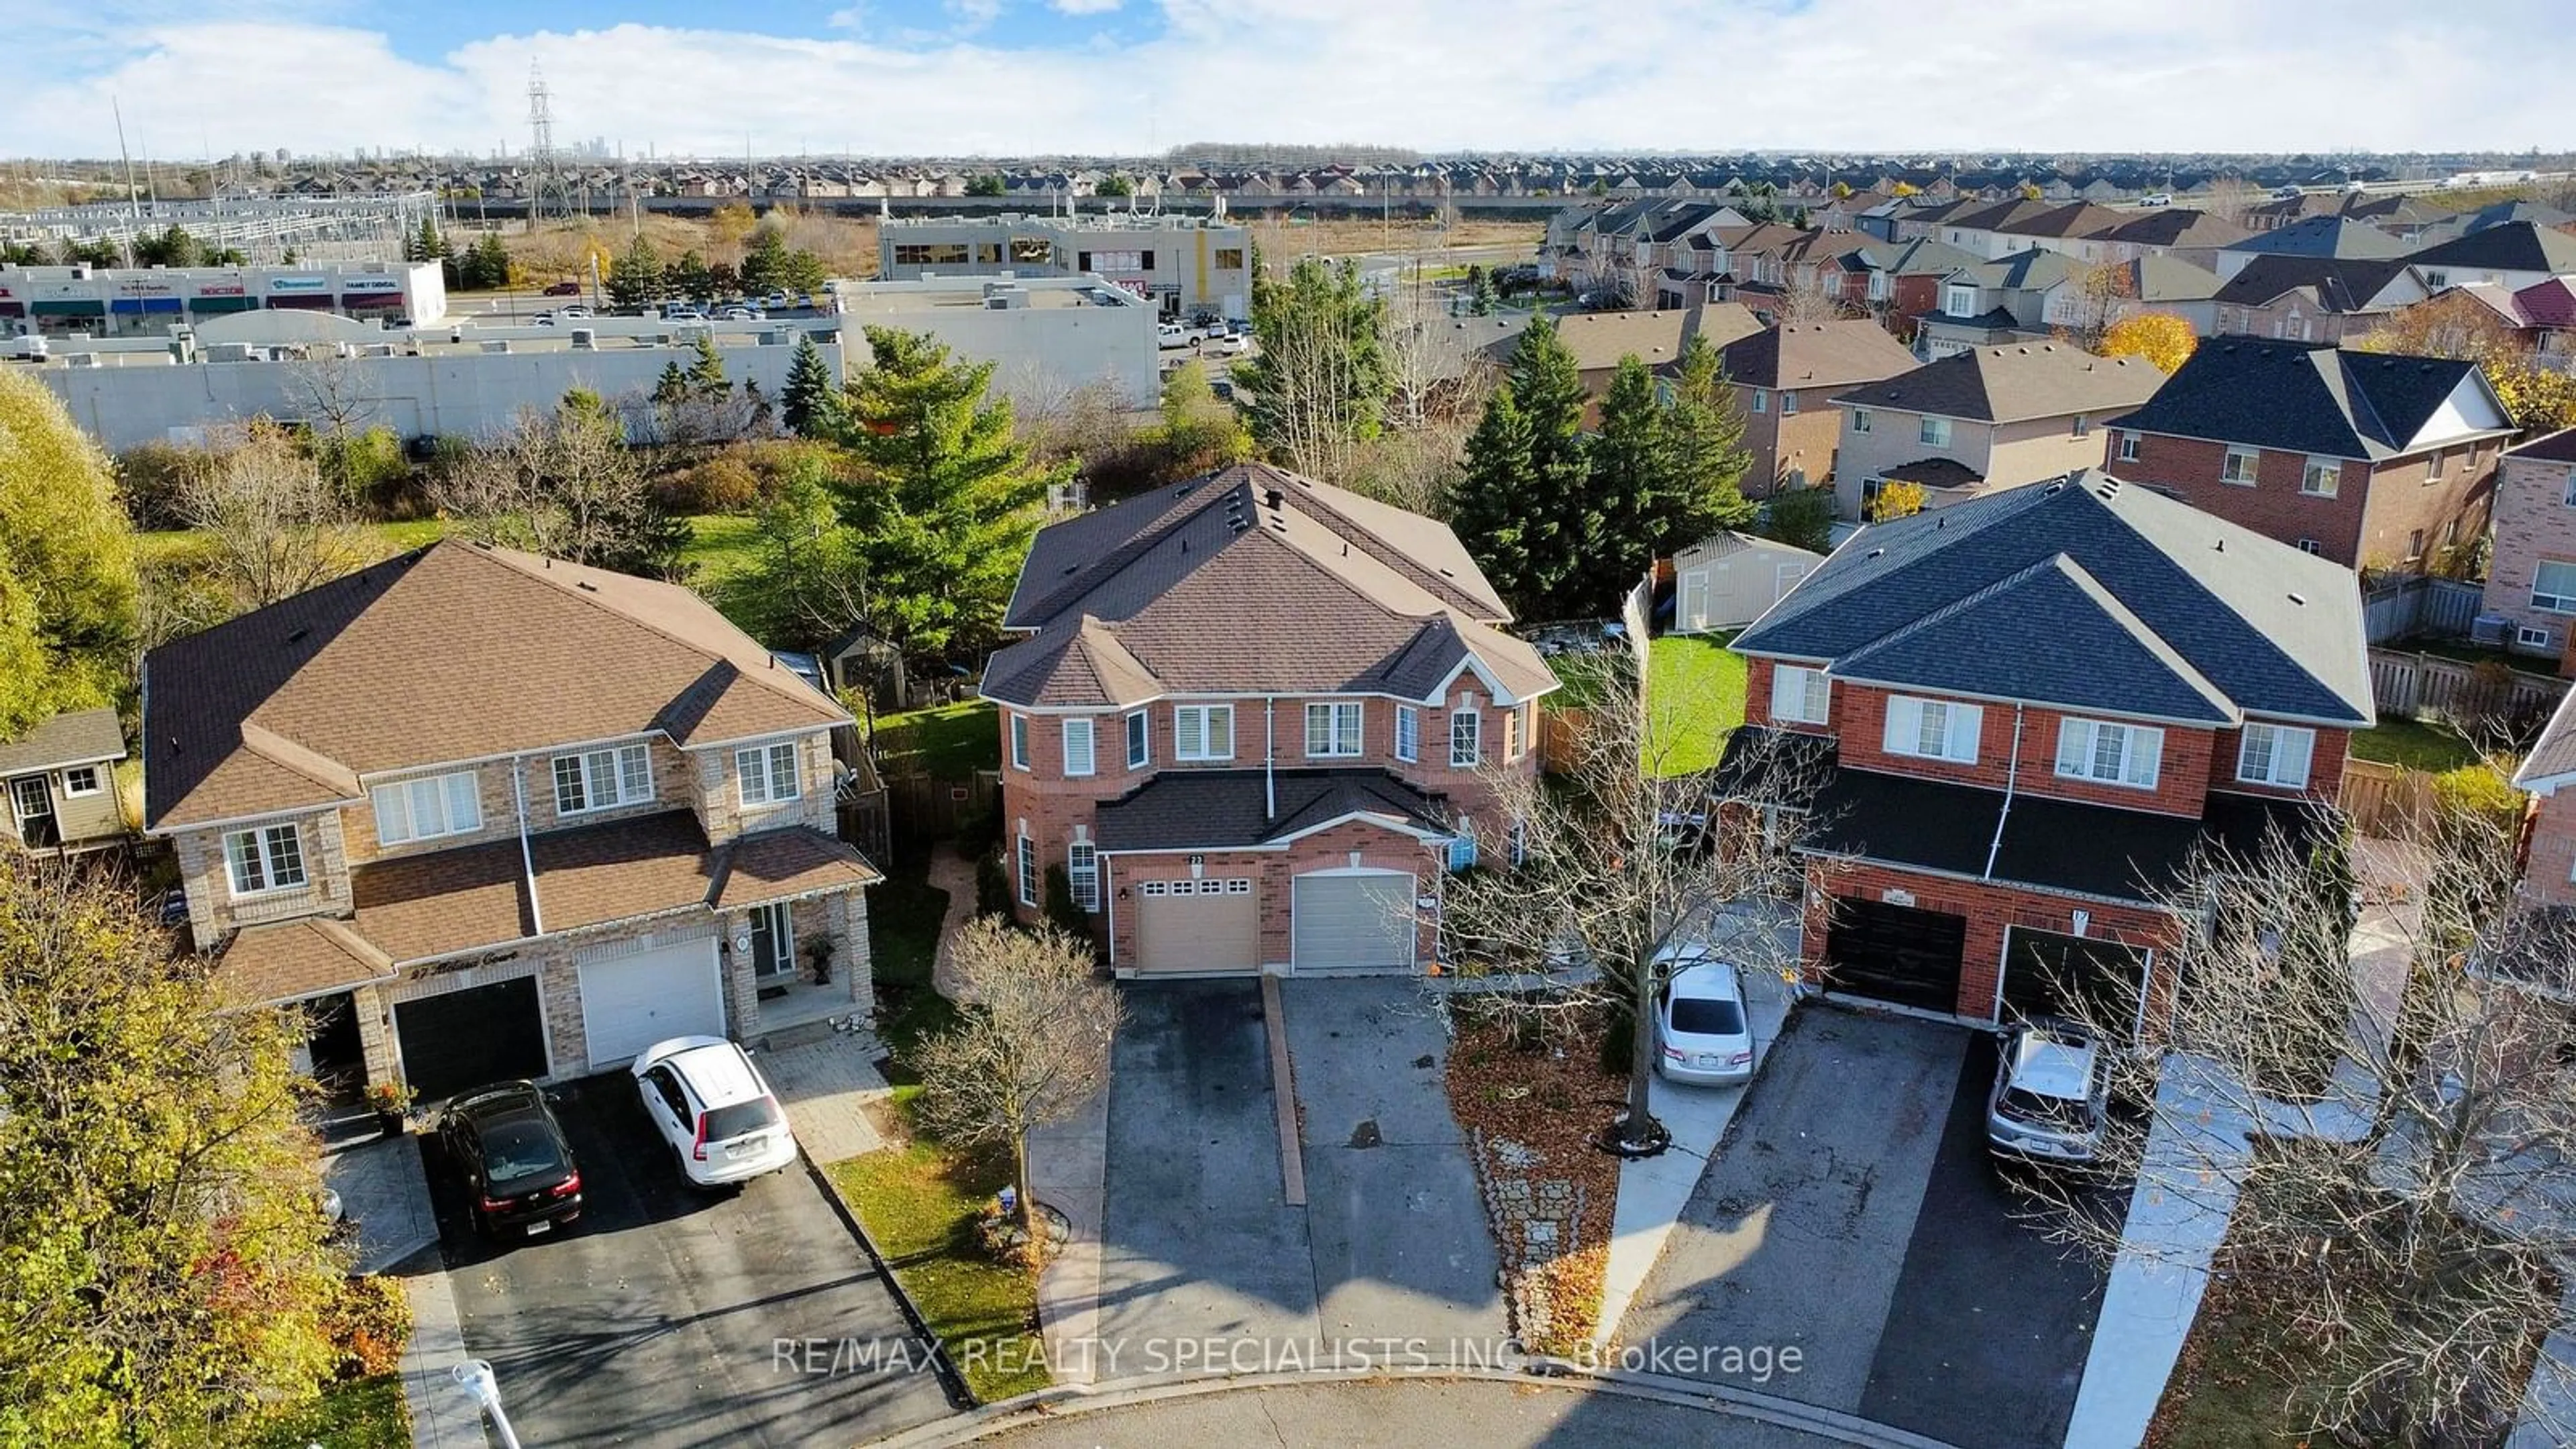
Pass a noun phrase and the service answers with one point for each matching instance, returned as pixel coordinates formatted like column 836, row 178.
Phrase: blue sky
column 997, row 77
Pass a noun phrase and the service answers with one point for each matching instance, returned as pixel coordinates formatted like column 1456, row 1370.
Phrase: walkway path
column 827, row 1087
column 442, row 1417
column 382, row 1190
column 955, row 874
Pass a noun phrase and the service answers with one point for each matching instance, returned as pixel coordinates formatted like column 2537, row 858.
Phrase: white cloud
column 1086, row 7
column 1435, row 74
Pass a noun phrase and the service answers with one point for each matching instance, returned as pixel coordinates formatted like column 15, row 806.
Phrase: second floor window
column 426, row 809
column 602, row 779
column 1788, row 403
column 1203, row 732
column 1761, row 400
column 1466, row 739
column 2275, row 755
column 267, row 859
column 1934, row 433
column 1140, row 746
column 1860, row 420
column 1019, row 742
column 1800, row 695
column 1933, row 729
column 2115, row 754
column 2128, row 447
column 768, row 774
column 1333, row 729
column 1082, row 873
column 1408, row 733
column 2239, row 466
column 1080, row 757
column 2321, row 478
column 1512, row 733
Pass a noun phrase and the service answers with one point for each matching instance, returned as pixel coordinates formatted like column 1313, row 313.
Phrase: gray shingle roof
column 2339, row 284
column 1816, row 354
column 2515, row 246
column 2322, row 236
column 2179, row 604
column 2301, row 398
column 79, row 738
column 2010, row 382
column 1230, row 809
column 2552, row 761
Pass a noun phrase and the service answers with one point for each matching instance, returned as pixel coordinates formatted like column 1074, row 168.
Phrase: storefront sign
column 298, row 284
column 371, row 284
column 219, row 289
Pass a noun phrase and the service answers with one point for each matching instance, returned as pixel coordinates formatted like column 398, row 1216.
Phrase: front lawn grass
column 945, row 742
column 1695, row 699
column 919, row 1201
column 366, row 1413
column 2413, row 745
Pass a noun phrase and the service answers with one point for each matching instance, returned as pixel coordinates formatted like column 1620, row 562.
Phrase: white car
column 2050, row 1097
column 1702, row 1034
column 1168, row 335
column 1226, row 344
column 573, row 311
column 715, row 1109
column 739, row 314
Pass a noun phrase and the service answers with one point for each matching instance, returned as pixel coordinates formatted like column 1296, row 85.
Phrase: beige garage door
column 1354, row 922
column 1197, row 925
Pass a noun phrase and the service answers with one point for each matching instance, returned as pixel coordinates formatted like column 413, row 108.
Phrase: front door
column 34, row 805
column 1695, row 599
column 332, row 1054
column 773, row 944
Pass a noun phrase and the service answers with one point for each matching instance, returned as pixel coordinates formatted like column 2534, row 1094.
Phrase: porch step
column 805, row 1033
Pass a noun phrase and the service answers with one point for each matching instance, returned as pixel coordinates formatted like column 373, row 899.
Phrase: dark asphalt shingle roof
column 2339, row 284
column 2557, row 447
column 2322, row 236
column 2515, row 246
column 1230, row 809
column 2273, row 630
column 2302, row 398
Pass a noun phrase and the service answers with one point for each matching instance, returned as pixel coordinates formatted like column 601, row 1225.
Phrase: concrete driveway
column 668, row 1316
column 1853, row 1213
column 1198, row 1239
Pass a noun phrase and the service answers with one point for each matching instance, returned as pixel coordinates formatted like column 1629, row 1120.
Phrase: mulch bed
column 1532, row 1108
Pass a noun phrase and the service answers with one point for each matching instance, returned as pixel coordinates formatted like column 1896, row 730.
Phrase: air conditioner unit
column 585, row 339
column 82, row 359
column 498, row 345
column 2489, row 629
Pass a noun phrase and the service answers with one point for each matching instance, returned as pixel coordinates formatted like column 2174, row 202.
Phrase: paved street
column 1198, row 1240
column 655, row 1320
column 1854, row 1213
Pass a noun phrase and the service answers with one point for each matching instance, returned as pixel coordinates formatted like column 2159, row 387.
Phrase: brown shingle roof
column 1599, row 339
column 2015, row 381
column 451, row 652
column 79, row 738
column 776, row 864
column 297, row 959
column 457, row 900
column 1816, row 354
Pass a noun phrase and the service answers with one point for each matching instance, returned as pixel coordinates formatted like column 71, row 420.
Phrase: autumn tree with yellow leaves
column 2160, row 337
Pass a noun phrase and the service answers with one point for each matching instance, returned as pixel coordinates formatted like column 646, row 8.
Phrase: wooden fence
column 2420, row 607
column 922, row 808
column 2385, row 800
column 2416, row 685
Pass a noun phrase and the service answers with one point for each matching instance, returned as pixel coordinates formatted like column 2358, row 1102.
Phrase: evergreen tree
column 689, row 278
column 1319, row 382
column 1481, row 296
column 765, row 262
column 1630, row 492
column 1527, row 487
column 1487, row 509
column 638, row 277
column 426, row 244
column 672, row 386
column 810, row 399
column 1708, row 457
column 706, row 368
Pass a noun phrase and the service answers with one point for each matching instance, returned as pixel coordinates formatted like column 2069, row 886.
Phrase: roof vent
column 1877, row 553
column 298, row 636
column 1274, row 497
column 585, row 584
column 2299, row 599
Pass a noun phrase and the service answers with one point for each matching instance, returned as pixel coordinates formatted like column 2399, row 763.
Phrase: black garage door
column 463, row 1039
column 2082, row 977
column 1895, row 954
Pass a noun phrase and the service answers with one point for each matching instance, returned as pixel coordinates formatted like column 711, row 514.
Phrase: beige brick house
column 501, row 816
column 2531, row 580
column 1253, row 720
column 1983, row 420
column 1785, row 378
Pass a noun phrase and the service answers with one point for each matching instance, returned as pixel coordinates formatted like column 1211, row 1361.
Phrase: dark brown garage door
column 2083, row 977
column 1898, row 954
column 460, row 1040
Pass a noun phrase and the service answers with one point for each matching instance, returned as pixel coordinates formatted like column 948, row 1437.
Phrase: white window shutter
column 1961, row 743
column 1904, row 726
column 2074, row 745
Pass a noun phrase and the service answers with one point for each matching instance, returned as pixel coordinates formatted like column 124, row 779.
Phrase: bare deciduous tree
column 1624, row 857
column 1027, row 1051
column 1806, row 301
column 273, row 526
column 562, row 483
column 2391, row 1134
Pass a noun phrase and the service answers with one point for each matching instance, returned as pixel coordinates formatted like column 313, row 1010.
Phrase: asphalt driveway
column 668, row 1316
column 1853, row 1213
column 1198, row 1239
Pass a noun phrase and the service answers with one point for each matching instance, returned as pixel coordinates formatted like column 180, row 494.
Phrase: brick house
column 2549, row 831
column 58, row 791
column 2369, row 459
column 500, row 816
column 2023, row 716
column 1784, row 379
column 1982, row 420
column 2531, row 580
column 1252, row 719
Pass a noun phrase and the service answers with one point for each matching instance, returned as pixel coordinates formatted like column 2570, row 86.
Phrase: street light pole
column 474, row 1376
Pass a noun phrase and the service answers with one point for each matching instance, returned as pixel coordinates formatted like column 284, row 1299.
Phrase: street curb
column 950, row 1380
column 1048, row 1405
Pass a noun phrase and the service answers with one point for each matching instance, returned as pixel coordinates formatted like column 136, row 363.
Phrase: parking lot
column 1854, row 1214
column 668, row 1316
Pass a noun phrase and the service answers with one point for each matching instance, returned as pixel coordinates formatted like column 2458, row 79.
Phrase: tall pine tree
column 1527, row 486
column 1487, row 512
column 1708, row 455
column 1631, row 480
column 638, row 278
column 810, row 400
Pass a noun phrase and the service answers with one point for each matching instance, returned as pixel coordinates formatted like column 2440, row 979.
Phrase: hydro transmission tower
column 546, row 193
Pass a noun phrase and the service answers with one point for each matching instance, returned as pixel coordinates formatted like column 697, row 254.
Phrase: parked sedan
column 564, row 289
column 715, row 1109
column 517, row 1165
column 2051, row 1095
column 1702, row 1035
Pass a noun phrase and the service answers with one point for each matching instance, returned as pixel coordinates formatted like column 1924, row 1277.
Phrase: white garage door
column 1349, row 922
column 630, row 1002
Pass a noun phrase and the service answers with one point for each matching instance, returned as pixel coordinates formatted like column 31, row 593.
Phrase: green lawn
column 919, row 1203
column 904, row 912
column 364, row 1413
column 946, row 742
column 720, row 546
column 2413, row 745
column 1695, row 690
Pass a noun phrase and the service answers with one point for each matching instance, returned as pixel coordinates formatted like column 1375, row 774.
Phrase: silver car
column 1702, row 1035
column 2051, row 1095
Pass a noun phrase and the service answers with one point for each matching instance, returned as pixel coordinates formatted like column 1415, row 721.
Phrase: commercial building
column 1185, row 264
column 148, row 301
column 420, row 382
column 1044, row 335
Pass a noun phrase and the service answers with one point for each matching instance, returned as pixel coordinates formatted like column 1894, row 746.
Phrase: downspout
column 2012, row 772
column 527, row 856
column 1269, row 758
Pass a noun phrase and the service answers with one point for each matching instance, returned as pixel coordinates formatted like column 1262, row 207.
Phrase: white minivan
column 715, row 1109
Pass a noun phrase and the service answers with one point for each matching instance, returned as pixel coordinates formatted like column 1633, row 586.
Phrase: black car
column 516, row 1164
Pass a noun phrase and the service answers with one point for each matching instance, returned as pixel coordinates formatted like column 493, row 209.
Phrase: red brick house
column 2022, row 719
column 2369, row 459
column 1252, row 718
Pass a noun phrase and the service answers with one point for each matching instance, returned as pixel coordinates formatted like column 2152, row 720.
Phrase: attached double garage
column 1354, row 918
column 584, row 1011
column 1910, row 953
